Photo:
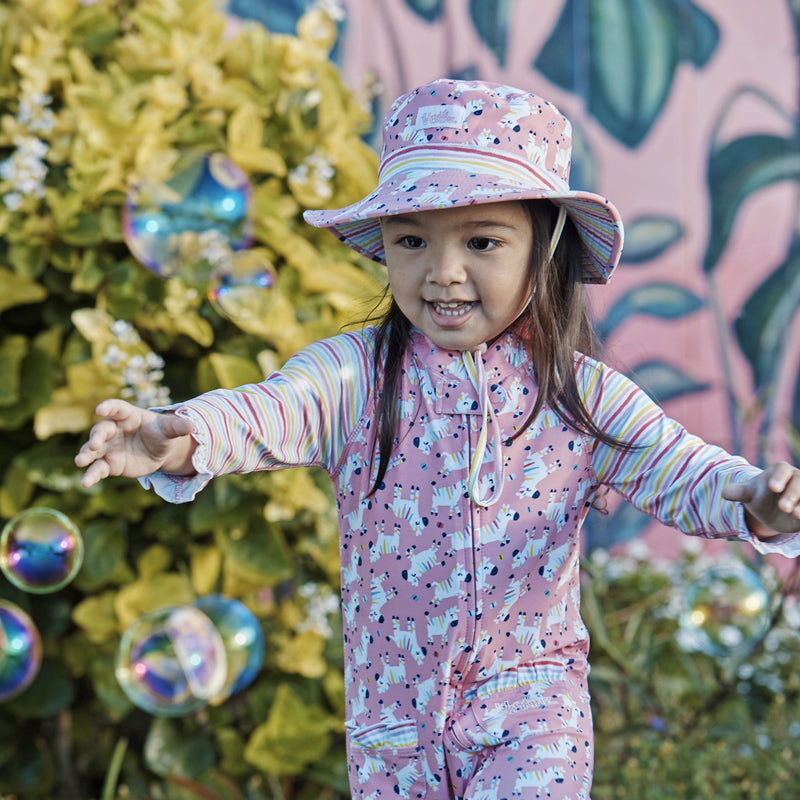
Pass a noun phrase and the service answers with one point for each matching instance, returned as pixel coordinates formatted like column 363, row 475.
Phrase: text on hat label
column 441, row 117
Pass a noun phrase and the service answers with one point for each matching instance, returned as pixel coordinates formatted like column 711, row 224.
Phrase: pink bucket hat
column 452, row 143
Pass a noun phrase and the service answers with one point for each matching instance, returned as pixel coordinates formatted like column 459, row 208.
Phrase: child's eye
column 412, row 242
column 482, row 243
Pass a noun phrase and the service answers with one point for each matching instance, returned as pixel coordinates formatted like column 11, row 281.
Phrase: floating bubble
column 242, row 289
column 242, row 637
column 727, row 611
column 171, row 661
column 190, row 224
column 41, row 550
column 20, row 650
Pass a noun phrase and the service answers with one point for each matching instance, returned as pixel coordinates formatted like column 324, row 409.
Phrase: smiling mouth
column 452, row 309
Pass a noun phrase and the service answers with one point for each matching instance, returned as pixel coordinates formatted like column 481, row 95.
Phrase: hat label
column 441, row 117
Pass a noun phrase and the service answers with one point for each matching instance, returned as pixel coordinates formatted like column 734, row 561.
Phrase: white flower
column 124, row 332
column 113, row 356
column 148, row 395
column 639, row 550
column 321, row 601
column 31, row 147
column 692, row 545
column 13, row 200
column 24, row 169
column 34, row 115
column 214, row 247
column 333, row 8
column 316, row 171
column 153, row 361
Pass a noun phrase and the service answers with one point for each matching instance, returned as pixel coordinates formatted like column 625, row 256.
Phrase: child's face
column 460, row 275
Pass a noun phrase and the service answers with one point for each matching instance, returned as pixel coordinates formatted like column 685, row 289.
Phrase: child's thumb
column 739, row 492
column 174, row 426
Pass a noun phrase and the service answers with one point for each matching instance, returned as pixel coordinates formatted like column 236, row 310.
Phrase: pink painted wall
column 663, row 175
column 703, row 86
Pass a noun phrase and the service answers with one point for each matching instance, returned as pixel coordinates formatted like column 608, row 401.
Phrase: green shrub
column 672, row 721
column 93, row 98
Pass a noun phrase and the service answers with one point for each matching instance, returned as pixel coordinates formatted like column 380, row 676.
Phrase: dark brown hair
column 557, row 325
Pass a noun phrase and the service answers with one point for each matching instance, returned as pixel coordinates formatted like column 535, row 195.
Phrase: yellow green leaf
column 95, row 615
column 302, row 654
column 149, row 594
column 153, row 560
column 13, row 350
column 258, row 553
column 294, row 736
column 245, row 135
column 205, row 566
column 19, row 290
column 233, row 371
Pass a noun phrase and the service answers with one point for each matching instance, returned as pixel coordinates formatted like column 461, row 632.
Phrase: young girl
column 466, row 437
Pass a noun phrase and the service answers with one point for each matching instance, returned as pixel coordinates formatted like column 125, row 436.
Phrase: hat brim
column 597, row 221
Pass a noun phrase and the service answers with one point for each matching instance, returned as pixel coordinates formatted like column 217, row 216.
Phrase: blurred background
column 155, row 160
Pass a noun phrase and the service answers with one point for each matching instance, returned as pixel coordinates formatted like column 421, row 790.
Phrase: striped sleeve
column 670, row 474
column 301, row 415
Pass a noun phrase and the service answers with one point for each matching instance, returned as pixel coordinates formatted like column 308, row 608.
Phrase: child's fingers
column 789, row 489
column 116, row 409
column 96, row 472
column 174, row 426
column 739, row 492
column 95, row 446
column 780, row 475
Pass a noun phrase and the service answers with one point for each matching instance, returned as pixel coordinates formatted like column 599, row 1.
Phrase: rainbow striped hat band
column 452, row 143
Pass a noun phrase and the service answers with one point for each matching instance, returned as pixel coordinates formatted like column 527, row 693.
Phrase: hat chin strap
column 474, row 365
column 557, row 231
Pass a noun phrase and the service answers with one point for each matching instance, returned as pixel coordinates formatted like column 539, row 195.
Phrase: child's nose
column 446, row 268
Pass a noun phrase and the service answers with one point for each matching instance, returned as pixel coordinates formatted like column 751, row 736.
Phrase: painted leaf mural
column 490, row 18
column 429, row 10
column 735, row 172
column 767, row 315
column 648, row 237
column 661, row 300
column 620, row 56
column 279, row 16
column 663, row 382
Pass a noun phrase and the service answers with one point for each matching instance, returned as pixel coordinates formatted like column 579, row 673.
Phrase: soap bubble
column 171, row 661
column 20, row 650
column 727, row 611
column 41, row 550
column 241, row 290
column 242, row 637
column 191, row 223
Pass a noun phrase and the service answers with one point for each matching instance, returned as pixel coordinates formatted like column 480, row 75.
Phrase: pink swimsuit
column 466, row 657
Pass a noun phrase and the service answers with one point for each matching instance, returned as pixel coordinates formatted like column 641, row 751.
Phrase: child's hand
column 132, row 442
column 771, row 500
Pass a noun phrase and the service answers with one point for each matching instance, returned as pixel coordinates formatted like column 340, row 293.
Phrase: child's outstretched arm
column 771, row 500
column 132, row 442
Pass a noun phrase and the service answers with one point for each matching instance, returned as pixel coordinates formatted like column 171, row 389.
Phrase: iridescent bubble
column 242, row 289
column 171, row 661
column 242, row 637
column 190, row 224
column 20, row 650
column 727, row 611
column 41, row 550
